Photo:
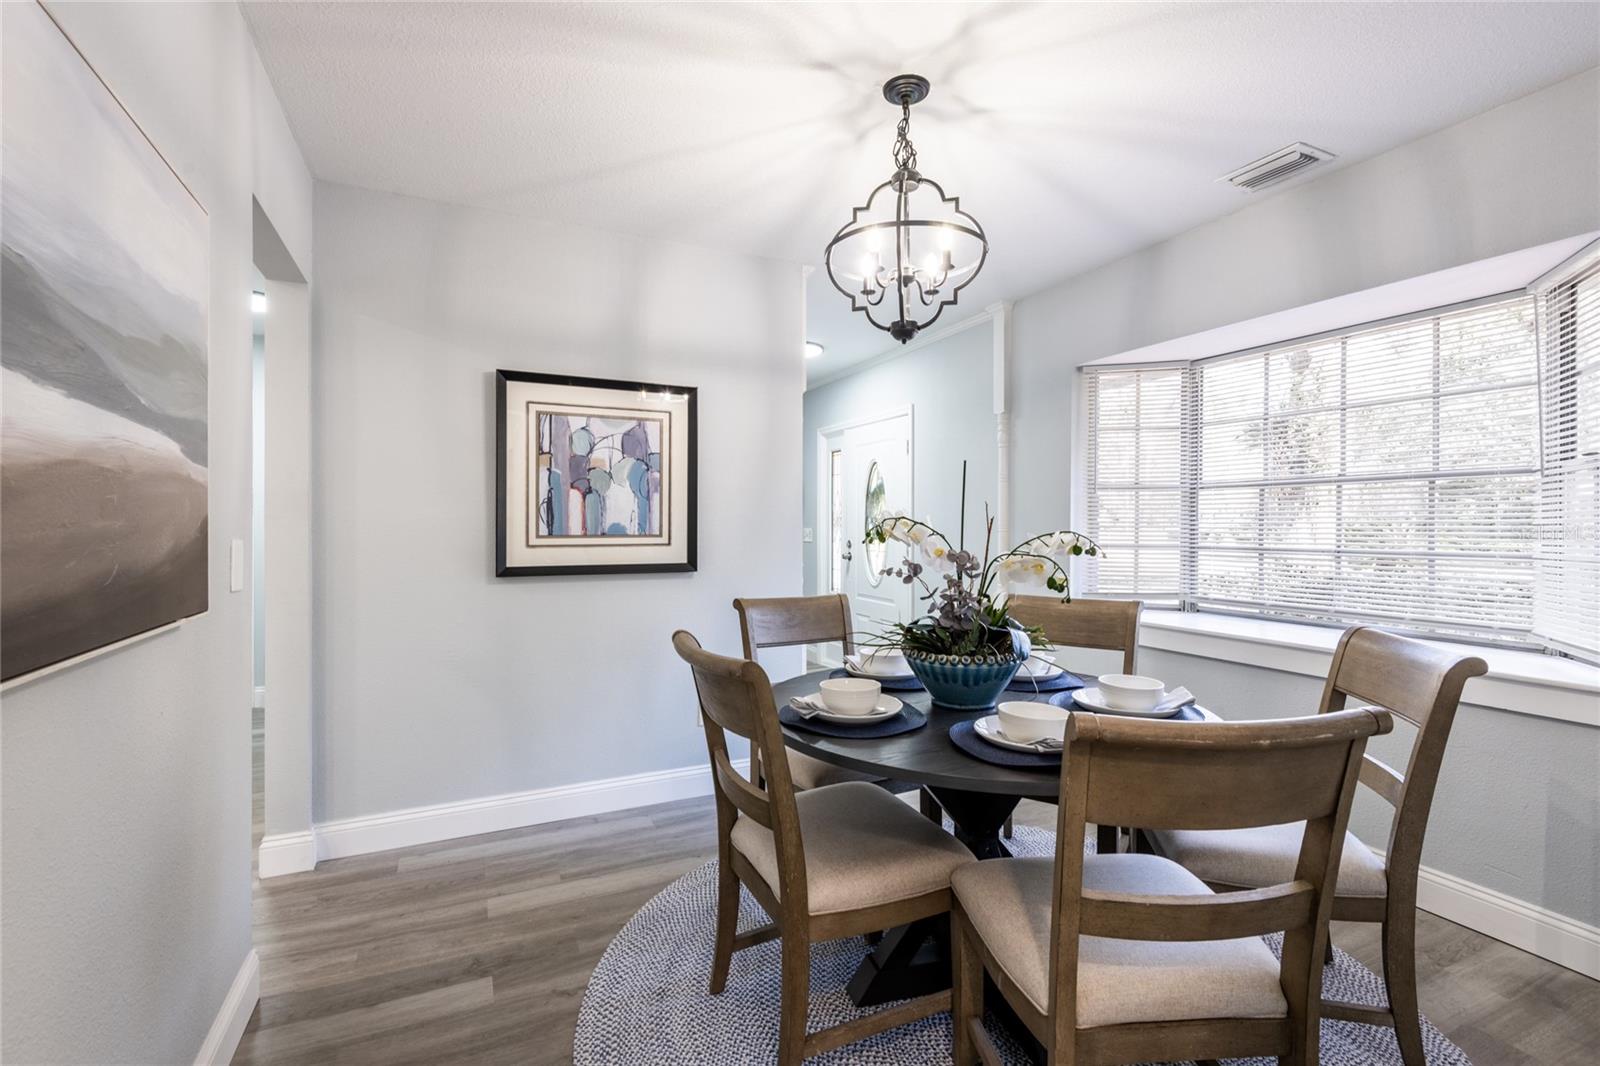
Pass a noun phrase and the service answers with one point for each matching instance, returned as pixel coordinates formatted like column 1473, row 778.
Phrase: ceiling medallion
column 909, row 243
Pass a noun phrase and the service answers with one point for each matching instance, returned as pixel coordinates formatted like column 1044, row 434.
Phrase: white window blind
column 1567, row 611
column 1388, row 474
column 1135, row 483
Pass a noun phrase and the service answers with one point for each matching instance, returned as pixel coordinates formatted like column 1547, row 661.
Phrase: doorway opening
column 258, row 603
column 280, row 557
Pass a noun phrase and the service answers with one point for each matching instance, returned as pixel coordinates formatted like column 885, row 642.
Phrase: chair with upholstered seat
column 1130, row 958
column 1109, row 625
column 1421, row 683
column 835, row 861
column 1103, row 625
column 787, row 621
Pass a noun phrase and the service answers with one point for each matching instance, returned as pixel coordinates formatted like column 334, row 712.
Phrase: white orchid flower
column 1031, row 572
column 936, row 556
column 1060, row 543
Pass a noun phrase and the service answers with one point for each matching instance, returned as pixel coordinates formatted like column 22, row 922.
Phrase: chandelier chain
column 905, row 153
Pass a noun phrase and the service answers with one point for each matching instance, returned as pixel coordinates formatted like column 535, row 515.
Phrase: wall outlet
column 236, row 566
column 809, row 536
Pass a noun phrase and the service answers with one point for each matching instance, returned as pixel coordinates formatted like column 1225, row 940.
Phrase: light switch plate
column 810, row 535
column 236, row 566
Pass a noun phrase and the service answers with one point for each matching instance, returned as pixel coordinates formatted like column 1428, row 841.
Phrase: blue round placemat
column 908, row 720
column 909, row 683
column 1062, row 682
column 1069, row 700
column 964, row 736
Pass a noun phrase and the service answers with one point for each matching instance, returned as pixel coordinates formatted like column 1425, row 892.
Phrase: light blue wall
column 949, row 385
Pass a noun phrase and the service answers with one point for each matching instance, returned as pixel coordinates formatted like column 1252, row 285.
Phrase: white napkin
column 1178, row 697
column 807, row 706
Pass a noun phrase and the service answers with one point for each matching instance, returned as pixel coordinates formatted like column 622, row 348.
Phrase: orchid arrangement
column 967, row 596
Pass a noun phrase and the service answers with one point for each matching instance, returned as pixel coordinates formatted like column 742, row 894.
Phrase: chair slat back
column 787, row 620
column 1111, row 625
column 1212, row 775
column 1421, row 683
column 736, row 697
column 1206, row 775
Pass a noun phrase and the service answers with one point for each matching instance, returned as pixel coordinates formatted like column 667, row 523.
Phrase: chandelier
column 906, row 254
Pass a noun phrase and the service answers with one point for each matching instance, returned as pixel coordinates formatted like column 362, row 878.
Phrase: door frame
column 824, row 488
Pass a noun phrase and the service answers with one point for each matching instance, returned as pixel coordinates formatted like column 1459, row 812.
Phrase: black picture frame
column 690, row 562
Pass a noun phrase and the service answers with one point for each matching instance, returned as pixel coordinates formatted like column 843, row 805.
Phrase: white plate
column 989, row 729
column 1092, row 698
column 887, row 707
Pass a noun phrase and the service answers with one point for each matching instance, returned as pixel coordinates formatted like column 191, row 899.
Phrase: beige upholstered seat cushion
column 1118, row 981
column 807, row 773
column 1256, row 858
column 863, row 847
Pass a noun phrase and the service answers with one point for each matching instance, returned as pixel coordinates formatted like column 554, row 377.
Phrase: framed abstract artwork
column 594, row 476
column 103, row 431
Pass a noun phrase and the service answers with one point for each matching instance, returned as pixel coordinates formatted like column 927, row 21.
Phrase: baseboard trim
column 492, row 814
column 287, row 853
column 227, row 1029
column 1562, row 940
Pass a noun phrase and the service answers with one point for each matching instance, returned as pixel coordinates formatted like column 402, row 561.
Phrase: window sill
column 1523, row 682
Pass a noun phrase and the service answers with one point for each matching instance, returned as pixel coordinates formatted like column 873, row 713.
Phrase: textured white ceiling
column 1075, row 132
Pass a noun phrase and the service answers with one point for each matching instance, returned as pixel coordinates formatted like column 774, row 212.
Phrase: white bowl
column 1026, row 722
column 1130, row 692
column 850, row 695
column 1039, row 665
column 884, row 663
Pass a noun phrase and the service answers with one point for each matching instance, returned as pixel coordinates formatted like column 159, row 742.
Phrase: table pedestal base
column 978, row 818
column 914, row 960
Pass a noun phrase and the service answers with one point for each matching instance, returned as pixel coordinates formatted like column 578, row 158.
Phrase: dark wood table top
column 923, row 757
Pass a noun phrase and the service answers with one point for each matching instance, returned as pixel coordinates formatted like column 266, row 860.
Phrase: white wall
column 437, row 681
column 949, row 383
column 126, row 780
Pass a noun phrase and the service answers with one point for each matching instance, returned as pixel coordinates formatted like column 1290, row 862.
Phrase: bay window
column 1437, row 473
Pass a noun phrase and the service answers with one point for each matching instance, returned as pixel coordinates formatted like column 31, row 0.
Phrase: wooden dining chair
column 1109, row 625
column 836, row 861
column 1422, row 684
column 787, row 621
column 1112, row 625
column 1131, row 958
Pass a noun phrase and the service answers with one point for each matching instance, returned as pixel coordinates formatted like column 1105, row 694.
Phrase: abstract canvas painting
column 596, row 476
column 105, row 277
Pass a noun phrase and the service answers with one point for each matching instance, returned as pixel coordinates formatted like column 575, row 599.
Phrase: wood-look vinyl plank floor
column 478, row 951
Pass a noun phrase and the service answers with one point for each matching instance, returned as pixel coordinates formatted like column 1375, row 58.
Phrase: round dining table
column 978, row 797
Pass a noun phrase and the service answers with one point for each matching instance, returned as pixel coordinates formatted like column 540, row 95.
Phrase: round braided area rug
column 647, row 1000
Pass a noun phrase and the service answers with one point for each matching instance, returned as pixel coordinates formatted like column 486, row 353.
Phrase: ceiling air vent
column 1280, row 166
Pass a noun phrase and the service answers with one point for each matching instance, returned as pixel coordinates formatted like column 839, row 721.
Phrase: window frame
column 1083, row 491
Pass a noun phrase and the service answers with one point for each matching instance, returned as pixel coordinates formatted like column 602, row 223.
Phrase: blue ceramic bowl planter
column 971, row 682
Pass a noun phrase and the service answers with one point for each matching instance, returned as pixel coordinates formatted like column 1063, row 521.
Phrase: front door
column 876, row 483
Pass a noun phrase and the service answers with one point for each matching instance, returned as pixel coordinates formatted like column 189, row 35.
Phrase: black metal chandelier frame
column 903, row 276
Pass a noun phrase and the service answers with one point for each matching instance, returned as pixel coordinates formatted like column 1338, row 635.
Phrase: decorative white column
column 1000, row 317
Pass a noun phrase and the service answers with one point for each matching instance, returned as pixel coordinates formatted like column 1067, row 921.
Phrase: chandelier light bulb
column 917, row 248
